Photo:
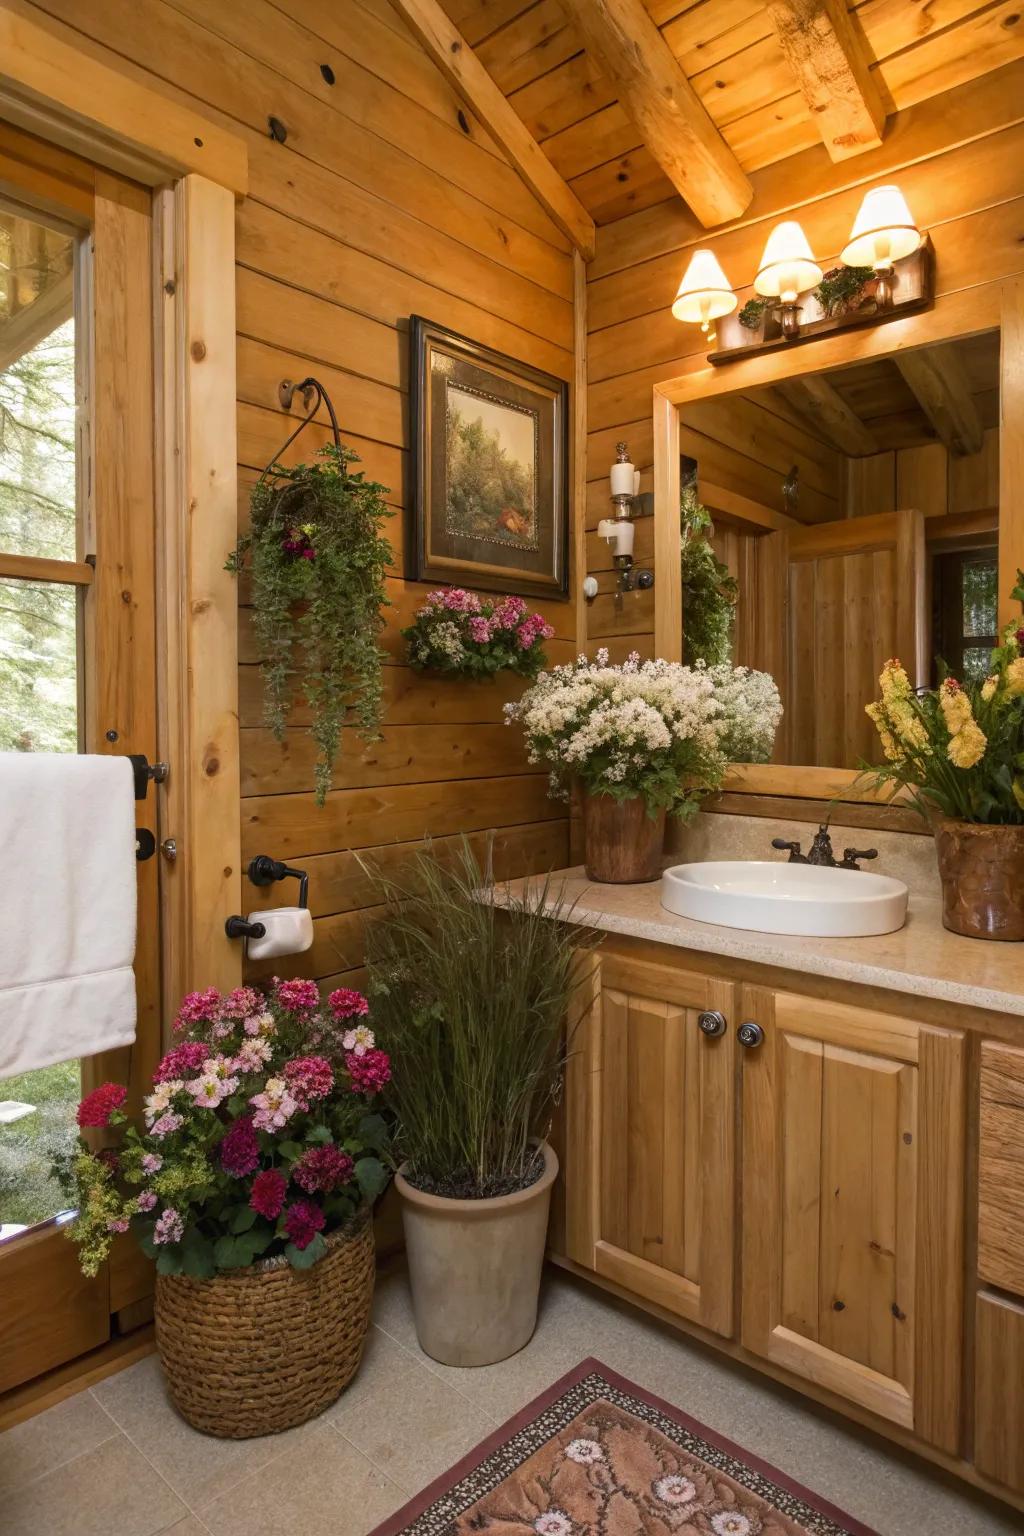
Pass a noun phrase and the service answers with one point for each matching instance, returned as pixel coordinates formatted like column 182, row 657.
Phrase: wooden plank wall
column 387, row 199
column 926, row 477
column 957, row 158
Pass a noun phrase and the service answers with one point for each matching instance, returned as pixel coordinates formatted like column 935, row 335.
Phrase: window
column 966, row 598
column 40, row 606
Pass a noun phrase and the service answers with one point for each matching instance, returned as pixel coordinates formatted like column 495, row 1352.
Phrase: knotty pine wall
column 387, row 199
column 957, row 158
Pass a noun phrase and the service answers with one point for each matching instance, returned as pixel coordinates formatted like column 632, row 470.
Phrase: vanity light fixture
column 883, row 232
column 704, row 294
column 787, row 270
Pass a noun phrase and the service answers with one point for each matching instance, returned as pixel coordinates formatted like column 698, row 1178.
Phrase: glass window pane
column 37, row 1128
column 38, row 667
column 976, row 658
column 980, row 596
column 37, row 390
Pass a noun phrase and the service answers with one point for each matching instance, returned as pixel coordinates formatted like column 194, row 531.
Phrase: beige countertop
column 920, row 958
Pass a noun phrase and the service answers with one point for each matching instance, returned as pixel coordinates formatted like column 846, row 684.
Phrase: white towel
column 67, row 907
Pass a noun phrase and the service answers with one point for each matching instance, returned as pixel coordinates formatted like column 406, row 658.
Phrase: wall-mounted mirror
column 857, row 511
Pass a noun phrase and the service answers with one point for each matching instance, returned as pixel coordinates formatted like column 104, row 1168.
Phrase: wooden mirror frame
column 991, row 306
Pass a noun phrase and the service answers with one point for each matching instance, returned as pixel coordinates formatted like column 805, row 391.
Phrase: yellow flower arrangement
column 967, row 746
column 958, row 750
column 955, row 705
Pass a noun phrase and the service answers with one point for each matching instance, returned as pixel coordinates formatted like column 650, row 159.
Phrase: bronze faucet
column 821, row 852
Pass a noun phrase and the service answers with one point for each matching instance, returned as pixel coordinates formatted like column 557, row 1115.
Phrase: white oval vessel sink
column 774, row 897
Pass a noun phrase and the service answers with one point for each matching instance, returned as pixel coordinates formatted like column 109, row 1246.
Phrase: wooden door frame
column 55, row 90
column 990, row 306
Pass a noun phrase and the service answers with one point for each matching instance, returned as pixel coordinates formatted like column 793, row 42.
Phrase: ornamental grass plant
column 471, row 989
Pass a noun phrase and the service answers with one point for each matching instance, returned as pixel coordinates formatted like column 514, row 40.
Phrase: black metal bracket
column 145, row 844
column 241, row 928
column 146, row 773
column 263, row 870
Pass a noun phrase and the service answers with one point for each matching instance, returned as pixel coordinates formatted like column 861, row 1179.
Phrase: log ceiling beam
column 823, row 407
column 937, row 381
column 667, row 112
column 462, row 69
column 831, row 67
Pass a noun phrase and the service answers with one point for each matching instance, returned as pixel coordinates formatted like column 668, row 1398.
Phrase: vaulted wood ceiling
column 768, row 90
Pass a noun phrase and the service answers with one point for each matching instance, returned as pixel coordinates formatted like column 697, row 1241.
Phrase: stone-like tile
column 384, row 1360
column 109, row 1490
column 322, row 1484
column 45, row 1442
column 198, row 1467
column 190, row 1526
column 414, row 1427
column 392, row 1308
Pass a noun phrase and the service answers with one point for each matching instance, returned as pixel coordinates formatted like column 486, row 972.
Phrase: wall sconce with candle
column 619, row 530
column 890, row 270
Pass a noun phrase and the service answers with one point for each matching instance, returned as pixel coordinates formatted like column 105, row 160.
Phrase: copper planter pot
column 623, row 843
column 982, row 873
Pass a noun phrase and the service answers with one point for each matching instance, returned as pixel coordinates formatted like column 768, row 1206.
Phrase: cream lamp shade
column 788, row 267
column 704, row 293
column 883, row 231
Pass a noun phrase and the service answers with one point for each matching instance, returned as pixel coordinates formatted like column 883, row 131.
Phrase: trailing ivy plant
column 317, row 558
column 709, row 591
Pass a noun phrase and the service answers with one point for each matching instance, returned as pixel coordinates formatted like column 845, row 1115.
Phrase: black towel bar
column 145, row 771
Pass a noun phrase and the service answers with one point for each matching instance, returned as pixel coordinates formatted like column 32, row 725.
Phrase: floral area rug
column 596, row 1455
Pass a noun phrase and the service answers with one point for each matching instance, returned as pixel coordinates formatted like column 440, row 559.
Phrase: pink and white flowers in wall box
column 464, row 635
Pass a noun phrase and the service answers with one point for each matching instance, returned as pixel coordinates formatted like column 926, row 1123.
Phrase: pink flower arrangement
column 302, row 1221
column 369, row 1072
column 309, row 1078
column 460, row 633
column 97, row 1107
column 346, row 1004
column 322, row 1168
column 267, row 1193
column 258, row 1136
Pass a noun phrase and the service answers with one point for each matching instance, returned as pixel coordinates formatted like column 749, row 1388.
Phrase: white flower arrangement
column 645, row 728
column 750, row 712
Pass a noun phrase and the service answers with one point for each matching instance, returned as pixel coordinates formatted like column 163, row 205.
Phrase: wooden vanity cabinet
column 999, row 1318
column 852, row 1193
column 649, row 1149
column 822, row 1164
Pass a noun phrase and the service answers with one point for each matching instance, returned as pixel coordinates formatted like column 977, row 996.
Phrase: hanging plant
column 317, row 558
column 709, row 591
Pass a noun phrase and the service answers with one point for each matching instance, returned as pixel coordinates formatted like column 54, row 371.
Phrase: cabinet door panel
column 853, row 1163
column 650, row 1111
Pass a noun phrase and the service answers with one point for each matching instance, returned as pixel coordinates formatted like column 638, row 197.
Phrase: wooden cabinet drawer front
column 999, row 1401
column 1001, row 1168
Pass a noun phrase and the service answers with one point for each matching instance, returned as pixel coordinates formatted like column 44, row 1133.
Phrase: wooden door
column 91, row 572
column 649, row 1138
column 853, row 1204
column 841, row 598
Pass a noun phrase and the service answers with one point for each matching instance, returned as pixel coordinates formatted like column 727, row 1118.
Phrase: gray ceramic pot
column 475, row 1268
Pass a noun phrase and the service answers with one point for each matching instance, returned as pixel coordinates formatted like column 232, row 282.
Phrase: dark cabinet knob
column 712, row 1023
column 750, row 1034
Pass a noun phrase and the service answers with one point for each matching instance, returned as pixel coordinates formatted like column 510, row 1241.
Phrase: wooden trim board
column 53, row 88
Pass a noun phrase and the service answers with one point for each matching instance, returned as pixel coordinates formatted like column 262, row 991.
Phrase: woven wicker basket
column 259, row 1350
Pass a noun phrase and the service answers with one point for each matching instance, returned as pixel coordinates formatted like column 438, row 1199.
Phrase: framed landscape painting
column 490, row 468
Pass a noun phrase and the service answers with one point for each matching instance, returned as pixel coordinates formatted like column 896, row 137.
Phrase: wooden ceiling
column 947, row 394
column 743, row 60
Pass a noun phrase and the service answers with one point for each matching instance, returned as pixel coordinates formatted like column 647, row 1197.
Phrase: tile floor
column 117, row 1461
